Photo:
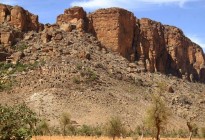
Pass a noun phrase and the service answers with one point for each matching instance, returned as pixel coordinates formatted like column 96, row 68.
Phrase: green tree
column 16, row 122
column 114, row 128
column 157, row 116
column 65, row 121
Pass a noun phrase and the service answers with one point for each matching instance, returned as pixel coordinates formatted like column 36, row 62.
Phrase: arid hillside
column 99, row 65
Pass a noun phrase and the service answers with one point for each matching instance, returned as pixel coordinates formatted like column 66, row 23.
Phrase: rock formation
column 154, row 46
column 186, row 57
column 19, row 18
column 115, row 29
column 73, row 18
column 151, row 45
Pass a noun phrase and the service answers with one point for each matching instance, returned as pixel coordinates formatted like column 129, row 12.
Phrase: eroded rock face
column 114, row 28
column 186, row 57
column 73, row 18
column 154, row 46
column 9, row 36
column 150, row 46
column 19, row 18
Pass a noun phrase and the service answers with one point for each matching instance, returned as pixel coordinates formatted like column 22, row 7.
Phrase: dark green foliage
column 16, row 122
column 114, row 128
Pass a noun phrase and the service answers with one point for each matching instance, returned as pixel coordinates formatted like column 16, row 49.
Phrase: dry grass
column 98, row 138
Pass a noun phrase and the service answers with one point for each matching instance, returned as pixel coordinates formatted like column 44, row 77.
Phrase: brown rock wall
column 19, row 18
column 151, row 49
column 75, row 16
column 115, row 29
column 153, row 46
column 187, row 57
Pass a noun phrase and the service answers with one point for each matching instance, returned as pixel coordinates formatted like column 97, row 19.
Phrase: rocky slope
column 74, row 66
column 156, row 47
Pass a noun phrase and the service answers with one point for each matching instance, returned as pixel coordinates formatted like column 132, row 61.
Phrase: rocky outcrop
column 19, row 18
column 73, row 18
column 150, row 46
column 187, row 58
column 115, row 29
column 9, row 36
column 14, row 22
column 163, row 48
column 153, row 46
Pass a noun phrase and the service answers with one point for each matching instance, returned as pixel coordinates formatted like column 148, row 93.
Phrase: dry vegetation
column 98, row 138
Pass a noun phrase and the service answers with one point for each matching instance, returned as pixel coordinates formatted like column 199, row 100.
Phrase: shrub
column 86, row 130
column 114, row 128
column 76, row 80
column 6, row 85
column 79, row 66
column 89, row 75
column 202, row 132
column 182, row 133
column 64, row 122
column 16, row 122
column 43, row 128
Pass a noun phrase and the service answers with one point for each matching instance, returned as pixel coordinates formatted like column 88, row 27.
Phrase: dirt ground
column 98, row 138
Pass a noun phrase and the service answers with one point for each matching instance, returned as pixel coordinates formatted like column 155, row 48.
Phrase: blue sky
column 189, row 15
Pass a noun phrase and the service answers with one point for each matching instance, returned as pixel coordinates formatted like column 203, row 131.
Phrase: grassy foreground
column 98, row 138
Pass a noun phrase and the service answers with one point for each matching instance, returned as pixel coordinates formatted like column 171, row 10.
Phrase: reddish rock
column 114, row 28
column 19, row 18
column 6, row 38
column 150, row 46
column 74, row 16
column 155, row 47
column 187, row 58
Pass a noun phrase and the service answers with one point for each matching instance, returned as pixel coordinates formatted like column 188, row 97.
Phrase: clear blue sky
column 189, row 15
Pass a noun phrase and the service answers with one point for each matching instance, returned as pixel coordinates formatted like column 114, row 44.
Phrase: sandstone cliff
column 114, row 27
column 13, row 22
column 19, row 18
column 73, row 18
column 153, row 46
